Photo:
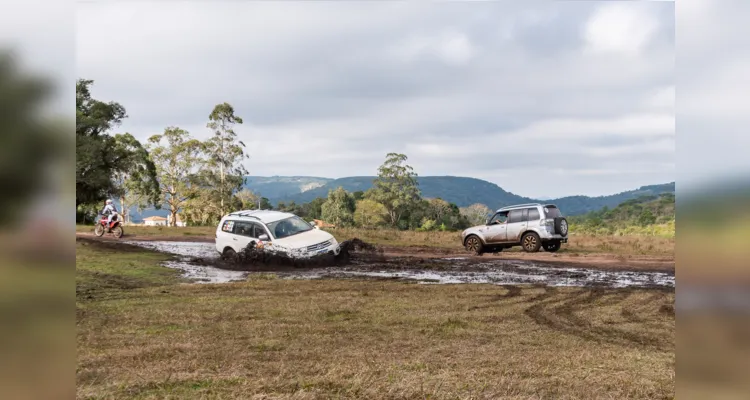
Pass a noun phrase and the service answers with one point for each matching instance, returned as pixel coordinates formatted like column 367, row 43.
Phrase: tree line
column 203, row 180
column 393, row 202
column 172, row 170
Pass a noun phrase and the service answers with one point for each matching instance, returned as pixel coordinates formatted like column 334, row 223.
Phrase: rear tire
column 117, row 231
column 552, row 246
column 474, row 245
column 99, row 230
column 530, row 242
column 230, row 255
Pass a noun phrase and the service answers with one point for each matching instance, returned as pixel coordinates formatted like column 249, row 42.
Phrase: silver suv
column 531, row 226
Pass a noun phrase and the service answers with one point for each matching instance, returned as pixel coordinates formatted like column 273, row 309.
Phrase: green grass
column 152, row 337
column 128, row 267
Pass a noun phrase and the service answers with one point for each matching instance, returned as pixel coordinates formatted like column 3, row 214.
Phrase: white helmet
column 109, row 201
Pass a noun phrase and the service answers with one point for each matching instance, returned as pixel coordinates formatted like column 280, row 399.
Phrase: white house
column 155, row 221
column 180, row 222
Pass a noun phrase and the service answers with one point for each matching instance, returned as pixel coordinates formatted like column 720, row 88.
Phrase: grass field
column 578, row 244
column 142, row 333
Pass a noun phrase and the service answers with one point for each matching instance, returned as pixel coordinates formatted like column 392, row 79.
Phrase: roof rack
column 521, row 205
column 245, row 213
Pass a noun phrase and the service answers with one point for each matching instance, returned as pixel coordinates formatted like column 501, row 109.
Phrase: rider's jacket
column 109, row 209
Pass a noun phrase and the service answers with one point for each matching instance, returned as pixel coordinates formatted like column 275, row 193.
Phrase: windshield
column 288, row 227
column 552, row 212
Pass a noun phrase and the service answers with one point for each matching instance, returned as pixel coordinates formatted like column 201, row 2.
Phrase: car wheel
column 561, row 226
column 552, row 246
column 474, row 245
column 230, row 255
column 530, row 242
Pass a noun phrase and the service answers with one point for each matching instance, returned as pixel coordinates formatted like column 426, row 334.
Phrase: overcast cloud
column 544, row 99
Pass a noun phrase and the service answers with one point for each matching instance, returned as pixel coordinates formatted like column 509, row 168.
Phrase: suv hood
column 302, row 240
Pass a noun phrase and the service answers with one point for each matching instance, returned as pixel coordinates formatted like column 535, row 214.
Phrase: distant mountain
column 462, row 191
column 279, row 187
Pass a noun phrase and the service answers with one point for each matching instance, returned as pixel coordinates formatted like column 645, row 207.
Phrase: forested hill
column 462, row 191
column 640, row 212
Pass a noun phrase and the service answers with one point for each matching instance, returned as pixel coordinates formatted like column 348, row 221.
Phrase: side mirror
column 264, row 238
column 315, row 227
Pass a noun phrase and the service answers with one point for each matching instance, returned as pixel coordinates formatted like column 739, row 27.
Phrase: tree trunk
column 173, row 214
column 125, row 211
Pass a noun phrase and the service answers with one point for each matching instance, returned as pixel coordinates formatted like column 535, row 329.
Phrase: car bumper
column 334, row 250
column 562, row 239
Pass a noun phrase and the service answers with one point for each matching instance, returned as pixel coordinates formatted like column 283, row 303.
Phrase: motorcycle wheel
column 117, row 231
column 99, row 230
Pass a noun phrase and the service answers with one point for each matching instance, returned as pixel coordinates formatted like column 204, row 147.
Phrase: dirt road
column 601, row 261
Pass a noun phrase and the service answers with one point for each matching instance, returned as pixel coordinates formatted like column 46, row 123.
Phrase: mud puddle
column 201, row 262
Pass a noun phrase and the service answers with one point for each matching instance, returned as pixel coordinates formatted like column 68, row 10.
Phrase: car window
column 288, row 227
column 258, row 231
column 243, row 228
column 517, row 216
column 499, row 218
column 552, row 212
column 533, row 214
column 228, row 226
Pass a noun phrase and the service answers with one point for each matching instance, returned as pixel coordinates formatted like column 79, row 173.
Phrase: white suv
column 272, row 230
column 531, row 226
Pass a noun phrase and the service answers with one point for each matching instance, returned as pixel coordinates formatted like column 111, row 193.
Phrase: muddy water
column 199, row 261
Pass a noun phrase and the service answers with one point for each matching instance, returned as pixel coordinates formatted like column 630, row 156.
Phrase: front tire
column 117, row 231
column 99, row 230
column 474, row 245
column 552, row 246
column 530, row 242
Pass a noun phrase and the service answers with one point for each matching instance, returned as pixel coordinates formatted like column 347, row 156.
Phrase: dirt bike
column 115, row 227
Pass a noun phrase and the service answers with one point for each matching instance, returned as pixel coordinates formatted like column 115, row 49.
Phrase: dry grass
column 578, row 243
column 270, row 338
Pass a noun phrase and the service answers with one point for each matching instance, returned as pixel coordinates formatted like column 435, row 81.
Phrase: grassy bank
column 142, row 334
column 580, row 243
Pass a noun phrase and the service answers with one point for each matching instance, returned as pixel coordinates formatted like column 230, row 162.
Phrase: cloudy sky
column 542, row 98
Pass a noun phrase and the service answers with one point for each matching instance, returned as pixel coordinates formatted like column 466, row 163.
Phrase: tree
column 96, row 164
column 338, row 209
column 476, row 214
column 27, row 145
column 135, row 181
column 176, row 156
column 646, row 218
column 439, row 209
column 314, row 209
column 395, row 187
column 225, row 154
column 369, row 213
column 247, row 199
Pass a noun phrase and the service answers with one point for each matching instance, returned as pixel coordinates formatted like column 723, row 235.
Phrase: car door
column 243, row 235
column 517, row 222
column 258, row 231
column 496, row 230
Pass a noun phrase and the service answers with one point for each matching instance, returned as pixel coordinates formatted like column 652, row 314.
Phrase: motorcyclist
column 109, row 211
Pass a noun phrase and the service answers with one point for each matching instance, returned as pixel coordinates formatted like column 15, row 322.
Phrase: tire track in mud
column 560, row 312
column 499, row 300
column 644, row 311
